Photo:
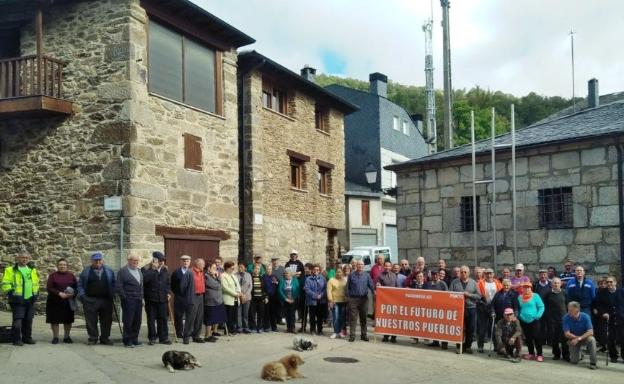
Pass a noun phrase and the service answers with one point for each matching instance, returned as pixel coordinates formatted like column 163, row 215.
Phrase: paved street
column 239, row 359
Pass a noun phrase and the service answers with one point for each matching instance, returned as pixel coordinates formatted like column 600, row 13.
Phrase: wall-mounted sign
column 112, row 204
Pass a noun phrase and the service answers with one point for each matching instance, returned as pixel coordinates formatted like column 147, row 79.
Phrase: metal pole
column 474, row 190
column 493, row 208
column 39, row 42
column 121, row 239
column 513, row 181
column 573, row 79
column 446, row 54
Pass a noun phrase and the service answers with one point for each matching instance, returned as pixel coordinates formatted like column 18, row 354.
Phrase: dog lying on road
column 284, row 369
column 179, row 360
column 301, row 343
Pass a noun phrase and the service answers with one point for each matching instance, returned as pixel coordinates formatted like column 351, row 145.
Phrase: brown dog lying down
column 284, row 369
column 179, row 360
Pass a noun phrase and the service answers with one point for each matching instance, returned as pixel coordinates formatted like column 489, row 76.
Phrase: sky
column 515, row 46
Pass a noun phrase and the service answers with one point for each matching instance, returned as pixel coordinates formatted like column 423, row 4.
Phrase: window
column 365, row 212
column 395, row 123
column 192, row 152
column 321, row 118
column 405, row 128
column 467, row 214
column 324, row 180
column 182, row 69
column 296, row 173
column 273, row 97
column 555, row 207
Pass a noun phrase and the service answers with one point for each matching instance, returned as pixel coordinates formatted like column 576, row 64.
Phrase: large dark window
column 468, row 214
column 555, row 207
column 181, row 69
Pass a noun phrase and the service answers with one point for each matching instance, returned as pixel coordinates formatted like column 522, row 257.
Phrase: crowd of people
column 205, row 299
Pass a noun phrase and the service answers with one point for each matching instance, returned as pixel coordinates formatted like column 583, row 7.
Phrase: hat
column 434, row 271
column 275, row 258
column 97, row 256
column 543, row 270
column 526, row 284
column 158, row 255
column 185, row 257
column 293, row 252
column 488, row 270
column 508, row 311
column 519, row 266
column 257, row 257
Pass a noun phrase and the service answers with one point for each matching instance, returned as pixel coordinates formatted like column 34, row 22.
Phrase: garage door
column 391, row 240
column 203, row 247
column 363, row 237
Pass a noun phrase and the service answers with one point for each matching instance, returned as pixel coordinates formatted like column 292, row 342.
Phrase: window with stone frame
column 321, row 118
column 467, row 214
column 324, row 180
column 297, row 168
column 192, row 152
column 274, row 97
column 555, row 208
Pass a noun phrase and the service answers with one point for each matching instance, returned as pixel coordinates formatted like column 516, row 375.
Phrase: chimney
column 417, row 119
column 308, row 73
column 593, row 96
column 378, row 84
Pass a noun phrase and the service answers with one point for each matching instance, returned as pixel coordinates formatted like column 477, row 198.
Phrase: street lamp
column 371, row 175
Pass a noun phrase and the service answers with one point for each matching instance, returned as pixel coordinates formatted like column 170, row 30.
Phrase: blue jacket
column 583, row 294
column 295, row 289
column 84, row 278
column 619, row 307
column 503, row 300
column 315, row 286
column 531, row 310
column 358, row 285
column 183, row 286
column 270, row 283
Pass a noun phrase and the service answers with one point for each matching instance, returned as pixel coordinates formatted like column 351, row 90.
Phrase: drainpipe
column 421, row 177
column 620, row 172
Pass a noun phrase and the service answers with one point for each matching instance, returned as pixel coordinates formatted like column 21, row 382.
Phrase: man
column 156, row 292
column 396, row 268
column 387, row 279
column 421, row 266
column 183, row 288
column 278, row 270
column 519, row 278
column 244, row 279
column 606, row 305
column 378, row 268
column 468, row 287
column 582, row 290
column 316, row 299
column 358, row 285
column 555, row 303
column 578, row 330
column 276, row 306
column 129, row 288
column 552, row 273
column 542, row 286
column 509, row 336
column 505, row 274
column 404, row 270
column 257, row 260
column 442, row 267
column 298, row 271
column 478, row 274
column 437, row 284
column 567, row 274
column 488, row 287
column 21, row 284
column 219, row 264
column 505, row 298
column 96, row 286
column 454, row 275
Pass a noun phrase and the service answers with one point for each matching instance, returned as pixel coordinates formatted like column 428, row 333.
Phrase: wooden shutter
column 365, row 212
column 192, row 152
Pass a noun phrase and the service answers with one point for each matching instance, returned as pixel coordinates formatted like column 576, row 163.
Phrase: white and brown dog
column 302, row 343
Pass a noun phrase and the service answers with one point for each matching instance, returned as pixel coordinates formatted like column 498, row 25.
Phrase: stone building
column 292, row 147
column 569, row 196
column 137, row 99
column 391, row 136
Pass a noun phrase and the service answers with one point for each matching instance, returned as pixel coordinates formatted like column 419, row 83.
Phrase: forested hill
column 529, row 109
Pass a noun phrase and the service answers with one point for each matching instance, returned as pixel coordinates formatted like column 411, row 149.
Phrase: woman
column 416, row 280
column 288, row 291
column 258, row 300
column 272, row 308
column 60, row 305
column 337, row 299
column 214, row 310
column 231, row 296
column 503, row 299
column 531, row 309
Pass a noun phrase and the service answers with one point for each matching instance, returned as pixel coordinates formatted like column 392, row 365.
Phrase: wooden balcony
column 32, row 86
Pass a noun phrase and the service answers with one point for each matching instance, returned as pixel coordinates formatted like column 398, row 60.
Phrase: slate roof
column 355, row 189
column 604, row 120
column 582, row 105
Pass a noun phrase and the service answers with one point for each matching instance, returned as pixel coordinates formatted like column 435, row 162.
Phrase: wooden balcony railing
column 30, row 76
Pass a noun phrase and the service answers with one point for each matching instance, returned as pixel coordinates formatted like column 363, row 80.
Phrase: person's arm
column 518, row 331
column 370, row 283
column 119, row 284
column 475, row 295
column 330, row 296
column 540, row 306
column 50, row 286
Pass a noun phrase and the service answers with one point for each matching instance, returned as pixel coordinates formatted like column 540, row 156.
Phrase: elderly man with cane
column 129, row 288
column 156, row 292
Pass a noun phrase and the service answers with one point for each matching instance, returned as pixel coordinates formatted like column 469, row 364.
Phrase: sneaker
column 68, row 340
column 55, row 340
column 333, row 336
column 433, row 344
column 137, row 343
column 593, row 366
column 540, row 358
column 246, row 331
column 515, row 359
column 151, row 342
column 129, row 345
column 343, row 333
column 106, row 342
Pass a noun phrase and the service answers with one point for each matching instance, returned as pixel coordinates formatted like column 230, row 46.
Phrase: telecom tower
column 448, row 87
column 430, row 91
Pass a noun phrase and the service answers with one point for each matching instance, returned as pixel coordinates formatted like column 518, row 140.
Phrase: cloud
column 512, row 46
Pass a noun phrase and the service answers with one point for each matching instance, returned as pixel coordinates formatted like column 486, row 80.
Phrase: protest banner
column 418, row 313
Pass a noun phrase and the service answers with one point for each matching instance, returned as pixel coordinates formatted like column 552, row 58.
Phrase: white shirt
column 490, row 291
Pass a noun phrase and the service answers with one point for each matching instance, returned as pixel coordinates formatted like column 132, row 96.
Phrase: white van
column 368, row 255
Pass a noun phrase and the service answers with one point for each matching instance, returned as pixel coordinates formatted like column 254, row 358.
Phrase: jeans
column 243, row 315
column 338, row 317
column 23, row 314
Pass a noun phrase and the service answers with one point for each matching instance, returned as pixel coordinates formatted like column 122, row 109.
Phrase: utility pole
column 429, row 89
column 573, row 79
column 448, row 88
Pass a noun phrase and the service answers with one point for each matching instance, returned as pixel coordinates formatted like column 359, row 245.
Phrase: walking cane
column 117, row 316
column 175, row 334
column 607, row 359
column 493, row 317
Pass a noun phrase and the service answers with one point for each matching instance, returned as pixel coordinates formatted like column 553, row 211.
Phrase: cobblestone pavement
column 238, row 359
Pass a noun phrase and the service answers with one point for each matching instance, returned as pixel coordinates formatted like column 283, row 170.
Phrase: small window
column 266, row 99
column 192, row 152
column 555, row 207
column 467, row 214
column 296, row 173
column 321, row 118
column 405, row 128
column 395, row 123
column 365, row 212
column 324, row 180
column 273, row 97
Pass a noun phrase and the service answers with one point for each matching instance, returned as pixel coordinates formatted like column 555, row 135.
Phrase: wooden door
column 204, row 247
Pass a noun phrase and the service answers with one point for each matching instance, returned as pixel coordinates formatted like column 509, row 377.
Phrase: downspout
column 620, row 171
column 421, row 177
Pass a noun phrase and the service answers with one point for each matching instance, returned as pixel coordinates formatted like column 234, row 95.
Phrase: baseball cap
column 488, row 270
column 293, row 252
column 158, row 255
column 185, row 257
column 275, row 258
column 508, row 311
column 519, row 266
column 97, row 256
column 257, row 257
column 543, row 270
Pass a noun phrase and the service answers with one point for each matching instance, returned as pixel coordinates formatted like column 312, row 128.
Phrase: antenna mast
column 573, row 79
column 429, row 89
column 448, row 88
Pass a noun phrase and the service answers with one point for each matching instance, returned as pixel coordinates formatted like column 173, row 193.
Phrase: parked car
column 368, row 255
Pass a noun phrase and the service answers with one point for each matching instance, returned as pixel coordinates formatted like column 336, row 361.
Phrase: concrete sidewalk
column 239, row 359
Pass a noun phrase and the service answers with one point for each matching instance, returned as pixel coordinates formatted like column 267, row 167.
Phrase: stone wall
column 290, row 218
column 429, row 210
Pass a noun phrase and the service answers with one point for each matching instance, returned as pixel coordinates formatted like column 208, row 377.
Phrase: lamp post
column 371, row 175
